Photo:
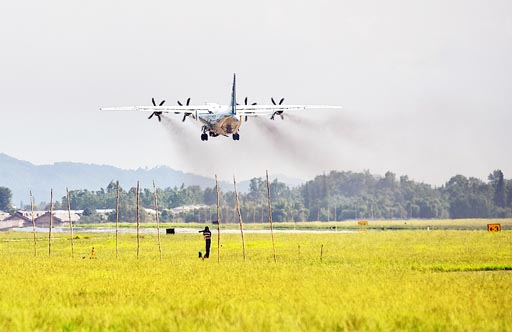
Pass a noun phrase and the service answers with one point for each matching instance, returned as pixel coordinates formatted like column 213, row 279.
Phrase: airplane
column 220, row 120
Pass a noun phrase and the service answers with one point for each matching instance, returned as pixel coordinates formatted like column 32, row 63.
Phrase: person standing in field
column 208, row 239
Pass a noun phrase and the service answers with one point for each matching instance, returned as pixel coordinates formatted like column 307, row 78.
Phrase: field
column 401, row 280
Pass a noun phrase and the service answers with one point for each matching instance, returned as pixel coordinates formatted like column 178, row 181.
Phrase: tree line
column 335, row 196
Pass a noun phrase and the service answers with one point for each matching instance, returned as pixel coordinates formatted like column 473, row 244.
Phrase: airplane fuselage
column 220, row 121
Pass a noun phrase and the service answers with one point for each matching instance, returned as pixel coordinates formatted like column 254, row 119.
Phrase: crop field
column 401, row 280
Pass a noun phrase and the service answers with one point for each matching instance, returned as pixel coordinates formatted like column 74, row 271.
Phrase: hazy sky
column 425, row 85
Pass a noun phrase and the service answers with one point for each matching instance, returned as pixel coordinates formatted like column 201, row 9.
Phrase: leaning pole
column 218, row 217
column 270, row 219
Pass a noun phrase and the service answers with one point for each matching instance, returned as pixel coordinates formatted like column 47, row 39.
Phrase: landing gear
column 236, row 137
column 204, row 135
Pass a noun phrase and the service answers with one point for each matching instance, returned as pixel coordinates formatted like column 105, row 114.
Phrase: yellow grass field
column 404, row 280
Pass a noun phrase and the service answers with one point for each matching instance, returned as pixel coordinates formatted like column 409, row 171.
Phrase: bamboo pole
column 157, row 223
column 270, row 218
column 218, row 217
column 239, row 217
column 51, row 224
column 138, row 222
column 33, row 223
column 70, row 224
column 117, row 219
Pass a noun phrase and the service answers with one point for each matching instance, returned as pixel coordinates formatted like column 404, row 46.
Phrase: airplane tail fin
column 233, row 96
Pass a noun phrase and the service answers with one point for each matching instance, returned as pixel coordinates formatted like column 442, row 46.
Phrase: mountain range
column 21, row 177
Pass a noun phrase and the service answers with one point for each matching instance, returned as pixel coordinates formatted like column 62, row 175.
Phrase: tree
column 469, row 198
column 5, row 199
column 210, row 196
column 89, row 215
column 498, row 183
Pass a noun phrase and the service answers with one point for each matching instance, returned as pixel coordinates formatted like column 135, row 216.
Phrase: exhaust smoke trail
column 294, row 145
column 312, row 144
column 300, row 145
column 184, row 141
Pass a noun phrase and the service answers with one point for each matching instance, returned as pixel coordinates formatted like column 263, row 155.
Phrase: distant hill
column 22, row 176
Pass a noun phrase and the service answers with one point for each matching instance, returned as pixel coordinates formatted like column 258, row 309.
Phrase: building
column 4, row 215
column 60, row 219
column 15, row 220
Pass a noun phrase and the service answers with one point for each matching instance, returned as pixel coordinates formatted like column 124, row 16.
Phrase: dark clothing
column 207, row 235
column 208, row 244
column 208, row 239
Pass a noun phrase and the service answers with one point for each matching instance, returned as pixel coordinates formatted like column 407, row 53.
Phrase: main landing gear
column 236, row 137
column 204, row 135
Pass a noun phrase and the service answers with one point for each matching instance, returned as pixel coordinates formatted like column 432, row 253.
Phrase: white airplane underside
column 220, row 120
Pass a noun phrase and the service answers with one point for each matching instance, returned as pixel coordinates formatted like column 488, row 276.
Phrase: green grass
column 366, row 281
column 399, row 224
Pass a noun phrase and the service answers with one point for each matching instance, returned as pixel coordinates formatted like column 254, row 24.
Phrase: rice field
column 404, row 280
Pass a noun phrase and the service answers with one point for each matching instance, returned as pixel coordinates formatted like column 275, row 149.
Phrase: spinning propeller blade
column 157, row 113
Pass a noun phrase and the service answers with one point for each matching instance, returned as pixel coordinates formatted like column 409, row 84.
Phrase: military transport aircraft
column 220, row 119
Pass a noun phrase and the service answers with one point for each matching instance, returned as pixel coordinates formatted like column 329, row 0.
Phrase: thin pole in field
column 218, row 217
column 239, row 217
column 51, row 224
column 138, row 223
column 70, row 224
column 270, row 218
column 33, row 223
column 157, row 223
column 117, row 219
column 321, row 252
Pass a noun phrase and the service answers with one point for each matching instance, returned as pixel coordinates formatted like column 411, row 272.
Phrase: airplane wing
column 163, row 109
column 273, row 110
column 193, row 110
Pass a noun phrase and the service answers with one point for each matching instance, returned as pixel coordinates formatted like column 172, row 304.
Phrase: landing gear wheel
column 204, row 137
column 236, row 137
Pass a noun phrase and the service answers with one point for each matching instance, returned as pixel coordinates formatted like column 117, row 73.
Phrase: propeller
column 280, row 113
column 274, row 102
column 158, row 114
column 246, row 100
column 188, row 102
column 188, row 113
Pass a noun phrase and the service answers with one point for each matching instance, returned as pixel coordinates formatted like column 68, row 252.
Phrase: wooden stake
column 33, row 223
column 157, row 224
column 70, row 224
column 138, row 237
column 270, row 218
column 51, row 224
column 239, row 217
column 218, row 218
column 117, row 219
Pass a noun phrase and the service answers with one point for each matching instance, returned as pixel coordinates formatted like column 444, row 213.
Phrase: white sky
column 425, row 85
